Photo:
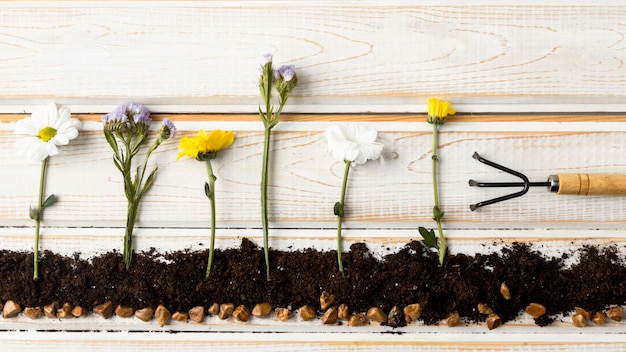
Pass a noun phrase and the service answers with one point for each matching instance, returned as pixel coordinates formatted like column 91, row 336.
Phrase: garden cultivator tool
column 577, row 184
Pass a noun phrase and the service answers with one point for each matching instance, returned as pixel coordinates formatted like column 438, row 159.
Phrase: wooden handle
column 592, row 184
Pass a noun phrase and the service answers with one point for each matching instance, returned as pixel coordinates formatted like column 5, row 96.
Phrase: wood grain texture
column 374, row 56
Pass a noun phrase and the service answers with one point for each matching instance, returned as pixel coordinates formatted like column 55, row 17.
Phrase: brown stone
column 50, row 311
column 412, row 312
column 262, row 309
column 504, row 291
column 283, row 314
column 579, row 320
column 326, row 300
column 484, row 308
column 330, row 316
column 358, row 319
column 616, row 313
column 197, row 314
column 79, row 311
column 123, row 311
column 226, row 310
column 307, row 313
column 585, row 313
column 377, row 314
column 493, row 321
column 104, row 310
column 453, row 319
column 214, row 309
column 162, row 315
column 180, row 316
column 10, row 309
column 394, row 318
column 144, row 314
column 33, row 312
column 535, row 310
column 343, row 313
column 599, row 318
column 65, row 311
column 241, row 313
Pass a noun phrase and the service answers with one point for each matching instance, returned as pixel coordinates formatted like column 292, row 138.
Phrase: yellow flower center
column 47, row 133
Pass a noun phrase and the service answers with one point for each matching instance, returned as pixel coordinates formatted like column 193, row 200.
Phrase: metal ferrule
column 554, row 183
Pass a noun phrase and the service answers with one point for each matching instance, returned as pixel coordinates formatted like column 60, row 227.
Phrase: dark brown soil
column 411, row 275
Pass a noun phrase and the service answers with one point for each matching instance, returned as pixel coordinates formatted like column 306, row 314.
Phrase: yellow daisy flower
column 204, row 146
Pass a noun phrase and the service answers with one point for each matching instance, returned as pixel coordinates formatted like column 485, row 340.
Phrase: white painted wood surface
column 352, row 57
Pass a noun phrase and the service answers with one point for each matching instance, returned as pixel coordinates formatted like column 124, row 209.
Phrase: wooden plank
column 397, row 193
column 377, row 56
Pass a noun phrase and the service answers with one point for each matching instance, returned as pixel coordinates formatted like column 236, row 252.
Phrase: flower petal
column 27, row 126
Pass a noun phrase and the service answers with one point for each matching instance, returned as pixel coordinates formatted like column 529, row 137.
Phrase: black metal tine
column 508, row 184
column 525, row 183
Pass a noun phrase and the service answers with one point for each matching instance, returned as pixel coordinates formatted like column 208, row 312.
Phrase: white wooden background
column 519, row 72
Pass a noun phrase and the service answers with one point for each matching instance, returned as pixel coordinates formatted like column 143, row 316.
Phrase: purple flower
column 167, row 129
column 267, row 58
column 286, row 72
column 139, row 114
column 118, row 115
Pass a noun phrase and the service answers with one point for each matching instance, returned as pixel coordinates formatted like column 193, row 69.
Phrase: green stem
column 340, row 217
column 211, row 196
column 133, row 207
column 437, row 213
column 266, row 151
column 42, row 181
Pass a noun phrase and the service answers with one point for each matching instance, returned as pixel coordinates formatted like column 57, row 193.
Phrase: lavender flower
column 267, row 58
column 139, row 114
column 285, row 72
column 167, row 129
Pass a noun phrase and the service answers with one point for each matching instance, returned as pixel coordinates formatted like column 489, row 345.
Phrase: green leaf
column 437, row 214
column 32, row 212
column 429, row 237
column 49, row 201
column 338, row 209
column 148, row 182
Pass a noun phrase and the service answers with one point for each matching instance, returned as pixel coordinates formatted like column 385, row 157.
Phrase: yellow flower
column 438, row 111
column 205, row 146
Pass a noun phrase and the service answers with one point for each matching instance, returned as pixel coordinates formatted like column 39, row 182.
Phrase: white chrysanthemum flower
column 353, row 142
column 45, row 130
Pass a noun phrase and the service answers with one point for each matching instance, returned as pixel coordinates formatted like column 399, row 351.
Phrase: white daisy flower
column 45, row 130
column 353, row 142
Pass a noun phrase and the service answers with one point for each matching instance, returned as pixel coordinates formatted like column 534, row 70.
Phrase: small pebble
column 358, row 319
column 453, row 319
column 504, row 291
column 123, row 311
column 214, row 309
column 79, row 311
column 599, row 318
column 50, row 311
column 535, row 310
column 283, row 314
column 196, row 314
column 33, row 312
column 493, row 321
column 10, row 309
column 65, row 311
column 241, row 313
column 326, row 300
column 412, row 312
column 330, row 316
column 144, row 314
column 226, row 310
column 483, row 308
column 162, row 315
column 343, row 313
column 616, row 313
column 180, row 316
column 307, row 313
column 585, row 313
column 578, row 320
column 377, row 314
column 104, row 310
column 394, row 318
column 262, row 309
